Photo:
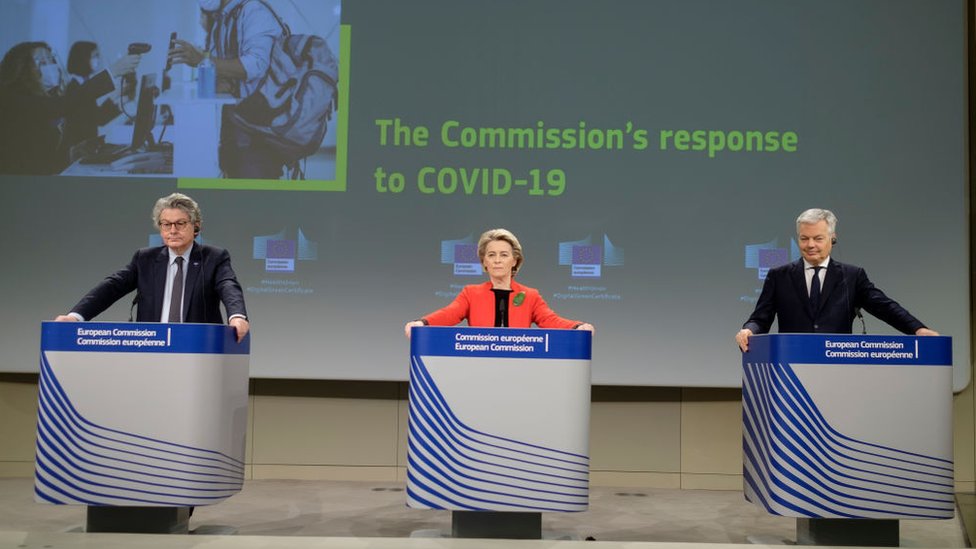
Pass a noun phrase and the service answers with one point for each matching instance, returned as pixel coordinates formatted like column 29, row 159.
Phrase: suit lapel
column 833, row 276
column 800, row 285
column 518, row 315
column 159, row 283
column 192, row 276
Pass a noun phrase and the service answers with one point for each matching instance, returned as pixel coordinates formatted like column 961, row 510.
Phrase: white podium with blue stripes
column 848, row 427
column 499, row 419
column 140, row 415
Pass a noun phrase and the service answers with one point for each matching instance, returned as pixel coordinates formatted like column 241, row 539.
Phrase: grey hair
column 816, row 215
column 506, row 236
column 177, row 201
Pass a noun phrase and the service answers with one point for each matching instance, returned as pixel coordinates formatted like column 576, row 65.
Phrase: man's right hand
column 185, row 53
column 65, row 318
column 742, row 338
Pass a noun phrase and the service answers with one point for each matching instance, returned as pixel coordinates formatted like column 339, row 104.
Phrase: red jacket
column 476, row 303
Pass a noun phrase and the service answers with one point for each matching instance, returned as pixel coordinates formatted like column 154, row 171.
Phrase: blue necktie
column 815, row 288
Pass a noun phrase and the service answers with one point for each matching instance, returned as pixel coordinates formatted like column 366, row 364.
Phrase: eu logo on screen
column 586, row 259
column 280, row 253
column 280, row 256
column 462, row 255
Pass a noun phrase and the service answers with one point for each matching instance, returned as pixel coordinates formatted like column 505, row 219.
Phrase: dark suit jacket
column 846, row 288
column 210, row 280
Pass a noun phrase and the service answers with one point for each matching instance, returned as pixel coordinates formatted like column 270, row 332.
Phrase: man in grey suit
column 816, row 294
column 181, row 281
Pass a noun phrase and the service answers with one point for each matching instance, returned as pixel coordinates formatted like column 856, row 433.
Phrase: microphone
column 133, row 306
column 857, row 313
column 503, row 316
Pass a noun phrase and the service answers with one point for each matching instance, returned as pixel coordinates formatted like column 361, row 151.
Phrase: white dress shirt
column 808, row 271
column 170, row 275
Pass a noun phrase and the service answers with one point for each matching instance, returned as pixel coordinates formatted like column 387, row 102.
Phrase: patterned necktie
column 815, row 288
column 176, row 296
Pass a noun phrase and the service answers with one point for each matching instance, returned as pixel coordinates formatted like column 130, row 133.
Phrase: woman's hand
column 411, row 324
column 124, row 65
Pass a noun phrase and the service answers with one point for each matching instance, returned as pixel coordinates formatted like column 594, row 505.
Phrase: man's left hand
column 926, row 332
column 241, row 325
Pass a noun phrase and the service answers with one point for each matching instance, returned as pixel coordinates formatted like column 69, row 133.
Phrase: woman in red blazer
column 499, row 302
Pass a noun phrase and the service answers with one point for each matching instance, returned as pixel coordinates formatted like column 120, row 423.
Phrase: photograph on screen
column 192, row 89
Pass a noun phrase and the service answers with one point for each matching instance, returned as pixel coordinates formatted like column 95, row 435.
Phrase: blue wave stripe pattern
column 796, row 464
column 79, row 462
column 452, row 465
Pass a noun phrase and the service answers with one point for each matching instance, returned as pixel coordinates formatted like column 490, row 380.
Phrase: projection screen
column 651, row 156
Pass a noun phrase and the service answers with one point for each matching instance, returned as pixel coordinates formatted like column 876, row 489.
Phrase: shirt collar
column 807, row 265
column 185, row 255
column 228, row 8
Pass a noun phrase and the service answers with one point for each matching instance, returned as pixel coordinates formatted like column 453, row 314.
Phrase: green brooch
column 519, row 298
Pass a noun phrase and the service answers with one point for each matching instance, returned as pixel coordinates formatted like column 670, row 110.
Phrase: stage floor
column 287, row 513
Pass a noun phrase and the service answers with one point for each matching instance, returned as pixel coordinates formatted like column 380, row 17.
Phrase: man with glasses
column 181, row 281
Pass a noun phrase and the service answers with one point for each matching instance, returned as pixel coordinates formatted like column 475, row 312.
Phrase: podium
column 848, row 433
column 140, row 421
column 498, row 427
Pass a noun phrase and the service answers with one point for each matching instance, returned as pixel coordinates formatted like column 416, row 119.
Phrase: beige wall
column 18, row 414
column 639, row 436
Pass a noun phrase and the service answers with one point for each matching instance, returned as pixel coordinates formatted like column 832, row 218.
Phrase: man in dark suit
column 816, row 294
column 181, row 281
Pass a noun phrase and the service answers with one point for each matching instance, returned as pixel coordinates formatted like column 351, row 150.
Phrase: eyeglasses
column 180, row 225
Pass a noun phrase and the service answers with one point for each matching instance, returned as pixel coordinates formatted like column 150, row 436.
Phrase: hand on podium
column 241, row 325
column 742, row 338
column 65, row 318
column 926, row 332
column 411, row 324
